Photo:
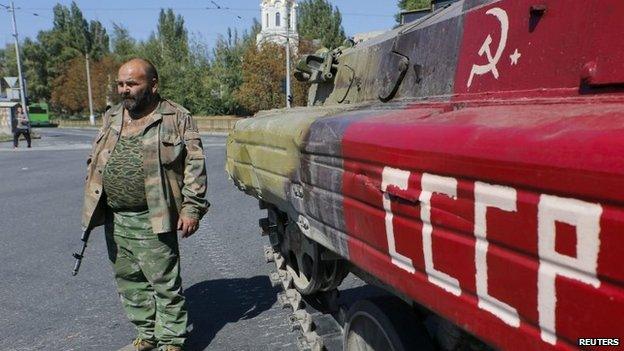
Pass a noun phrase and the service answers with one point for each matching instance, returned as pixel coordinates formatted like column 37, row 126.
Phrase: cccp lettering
column 583, row 216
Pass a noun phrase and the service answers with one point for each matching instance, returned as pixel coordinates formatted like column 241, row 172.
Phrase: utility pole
column 91, row 116
column 288, row 96
column 19, row 62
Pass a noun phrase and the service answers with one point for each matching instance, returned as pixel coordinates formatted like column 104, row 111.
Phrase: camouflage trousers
column 147, row 272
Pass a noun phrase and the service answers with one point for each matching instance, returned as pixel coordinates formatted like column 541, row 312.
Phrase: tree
column 168, row 50
column 35, row 70
column 123, row 45
column 226, row 69
column 3, row 62
column 319, row 20
column 264, row 76
column 185, row 71
column 192, row 80
column 8, row 63
column 68, row 90
column 226, row 75
column 205, row 82
column 263, row 73
column 71, row 35
column 36, row 86
column 98, row 40
column 410, row 5
column 300, row 89
column 172, row 38
column 86, row 38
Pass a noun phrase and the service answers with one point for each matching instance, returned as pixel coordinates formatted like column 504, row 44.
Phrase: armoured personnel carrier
column 471, row 163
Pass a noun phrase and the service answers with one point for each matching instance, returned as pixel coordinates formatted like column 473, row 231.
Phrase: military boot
column 173, row 348
column 143, row 345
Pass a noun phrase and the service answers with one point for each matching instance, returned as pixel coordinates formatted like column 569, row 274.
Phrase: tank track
column 319, row 331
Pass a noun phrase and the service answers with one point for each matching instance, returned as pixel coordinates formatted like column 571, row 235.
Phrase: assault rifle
column 79, row 256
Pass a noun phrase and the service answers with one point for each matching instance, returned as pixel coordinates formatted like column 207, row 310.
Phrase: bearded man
column 146, row 179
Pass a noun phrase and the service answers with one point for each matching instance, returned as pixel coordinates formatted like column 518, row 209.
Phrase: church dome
column 279, row 21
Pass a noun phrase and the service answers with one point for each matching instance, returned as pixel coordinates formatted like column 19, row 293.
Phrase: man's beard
column 137, row 103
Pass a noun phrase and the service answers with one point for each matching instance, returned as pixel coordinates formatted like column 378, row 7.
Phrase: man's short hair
column 150, row 70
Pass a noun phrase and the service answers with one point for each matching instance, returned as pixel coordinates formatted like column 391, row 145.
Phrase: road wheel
column 384, row 323
column 303, row 260
column 333, row 273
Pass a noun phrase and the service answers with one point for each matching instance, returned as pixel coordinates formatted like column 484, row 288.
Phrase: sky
column 205, row 25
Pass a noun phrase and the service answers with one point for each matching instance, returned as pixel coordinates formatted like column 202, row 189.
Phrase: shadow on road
column 214, row 303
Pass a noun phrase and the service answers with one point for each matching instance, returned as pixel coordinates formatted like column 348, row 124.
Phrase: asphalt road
column 42, row 307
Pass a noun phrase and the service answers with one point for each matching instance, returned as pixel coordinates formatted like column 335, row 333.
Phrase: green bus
column 39, row 114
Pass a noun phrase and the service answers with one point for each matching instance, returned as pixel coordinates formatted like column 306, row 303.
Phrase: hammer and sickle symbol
column 479, row 70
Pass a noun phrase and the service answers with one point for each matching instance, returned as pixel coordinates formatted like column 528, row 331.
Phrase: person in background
column 22, row 127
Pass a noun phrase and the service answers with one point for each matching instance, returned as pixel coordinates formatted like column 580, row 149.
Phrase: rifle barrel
column 79, row 256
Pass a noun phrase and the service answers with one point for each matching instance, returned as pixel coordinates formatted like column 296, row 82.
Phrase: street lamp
column 19, row 61
column 288, row 93
column 91, row 115
column 287, row 36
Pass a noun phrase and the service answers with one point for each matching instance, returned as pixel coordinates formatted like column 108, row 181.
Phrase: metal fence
column 223, row 124
column 216, row 123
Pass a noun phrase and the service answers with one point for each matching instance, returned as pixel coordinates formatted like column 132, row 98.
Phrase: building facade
column 8, row 111
column 279, row 21
column 9, row 89
column 9, row 99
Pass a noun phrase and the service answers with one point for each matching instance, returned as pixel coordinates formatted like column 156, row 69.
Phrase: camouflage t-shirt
column 124, row 177
column 135, row 225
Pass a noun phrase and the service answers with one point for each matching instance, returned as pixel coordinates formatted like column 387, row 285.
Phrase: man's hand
column 187, row 226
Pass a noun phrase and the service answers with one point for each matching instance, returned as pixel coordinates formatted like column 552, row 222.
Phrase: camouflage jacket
column 173, row 161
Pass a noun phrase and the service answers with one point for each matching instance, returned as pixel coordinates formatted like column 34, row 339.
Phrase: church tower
column 279, row 19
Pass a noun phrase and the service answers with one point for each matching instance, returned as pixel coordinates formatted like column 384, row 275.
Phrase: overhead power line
column 31, row 13
column 11, row 9
column 217, row 7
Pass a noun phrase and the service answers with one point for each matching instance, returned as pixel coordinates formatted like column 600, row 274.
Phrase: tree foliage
column 73, row 39
column 263, row 72
column 318, row 19
column 35, row 70
column 168, row 49
column 45, row 58
column 410, row 5
column 69, row 93
column 234, row 77
column 264, row 77
column 8, row 65
column 123, row 45
column 78, row 34
column 227, row 69
column 183, row 64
